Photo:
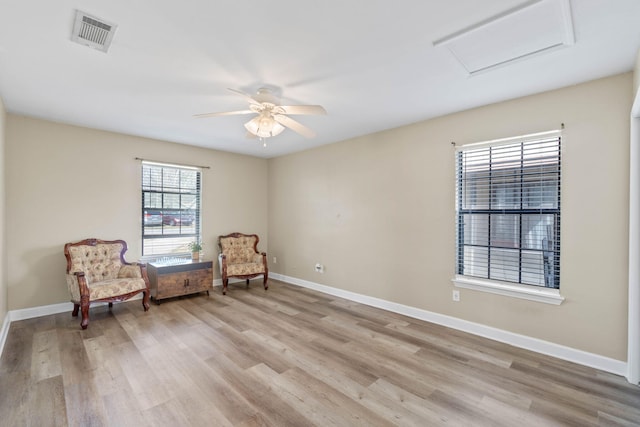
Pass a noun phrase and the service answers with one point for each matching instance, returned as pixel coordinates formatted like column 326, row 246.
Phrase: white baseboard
column 218, row 282
column 522, row 341
column 45, row 310
column 29, row 313
column 4, row 332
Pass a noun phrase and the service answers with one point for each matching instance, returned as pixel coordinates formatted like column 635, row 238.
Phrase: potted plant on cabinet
column 195, row 247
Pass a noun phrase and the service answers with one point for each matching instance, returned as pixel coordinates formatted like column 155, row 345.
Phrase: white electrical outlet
column 275, row 260
column 456, row 295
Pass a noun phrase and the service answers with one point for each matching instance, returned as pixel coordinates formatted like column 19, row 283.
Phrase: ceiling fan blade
column 294, row 125
column 304, row 109
column 244, row 95
column 224, row 113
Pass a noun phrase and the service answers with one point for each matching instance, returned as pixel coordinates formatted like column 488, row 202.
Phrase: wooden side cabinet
column 179, row 277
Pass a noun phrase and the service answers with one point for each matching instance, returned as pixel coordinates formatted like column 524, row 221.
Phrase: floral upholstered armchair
column 97, row 272
column 239, row 257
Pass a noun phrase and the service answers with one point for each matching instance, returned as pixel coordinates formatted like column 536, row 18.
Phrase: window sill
column 158, row 257
column 531, row 293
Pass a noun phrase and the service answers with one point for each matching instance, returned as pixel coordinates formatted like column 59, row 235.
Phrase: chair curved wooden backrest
column 239, row 257
column 98, row 272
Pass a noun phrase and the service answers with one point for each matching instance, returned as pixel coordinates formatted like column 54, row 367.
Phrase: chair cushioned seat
column 244, row 268
column 239, row 257
column 114, row 287
column 97, row 271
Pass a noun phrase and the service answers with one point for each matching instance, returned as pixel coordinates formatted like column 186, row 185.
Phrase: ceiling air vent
column 93, row 32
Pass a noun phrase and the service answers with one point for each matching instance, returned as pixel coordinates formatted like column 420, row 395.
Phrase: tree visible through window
column 170, row 208
column 508, row 210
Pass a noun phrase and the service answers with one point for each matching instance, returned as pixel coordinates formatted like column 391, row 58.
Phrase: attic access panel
column 532, row 28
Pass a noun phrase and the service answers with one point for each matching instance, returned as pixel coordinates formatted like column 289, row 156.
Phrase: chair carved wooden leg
column 93, row 265
column 239, row 258
column 84, row 309
column 145, row 300
column 264, row 282
column 76, row 307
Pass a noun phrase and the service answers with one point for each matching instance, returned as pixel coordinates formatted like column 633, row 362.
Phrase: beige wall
column 67, row 183
column 378, row 212
column 3, row 270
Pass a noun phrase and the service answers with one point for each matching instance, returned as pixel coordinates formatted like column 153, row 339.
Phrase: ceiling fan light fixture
column 272, row 118
column 264, row 126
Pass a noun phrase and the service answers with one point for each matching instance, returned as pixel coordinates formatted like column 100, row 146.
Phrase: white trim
column 633, row 316
column 539, row 346
column 470, row 29
column 635, row 108
column 45, row 310
column 29, row 313
column 556, row 350
column 149, row 259
column 531, row 293
column 4, row 332
column 567, row 18
column 218, row 282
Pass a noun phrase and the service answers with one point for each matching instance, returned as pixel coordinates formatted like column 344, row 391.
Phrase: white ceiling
column 370, row 63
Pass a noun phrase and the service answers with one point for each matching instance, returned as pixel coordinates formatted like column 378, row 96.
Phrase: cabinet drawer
column 188, row 282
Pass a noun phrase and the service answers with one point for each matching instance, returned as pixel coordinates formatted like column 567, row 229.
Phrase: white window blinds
column 170, row 208
column 508, row 210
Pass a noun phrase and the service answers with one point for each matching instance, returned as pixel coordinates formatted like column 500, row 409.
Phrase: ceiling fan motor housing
column 265, row 95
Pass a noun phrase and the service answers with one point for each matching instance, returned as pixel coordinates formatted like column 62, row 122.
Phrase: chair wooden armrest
column 98, row 272
column 239, row 258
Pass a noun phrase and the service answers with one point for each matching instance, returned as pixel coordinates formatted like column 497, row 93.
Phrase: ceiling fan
column 271, row 118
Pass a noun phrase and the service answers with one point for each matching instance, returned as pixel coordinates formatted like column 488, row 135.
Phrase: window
column 508, row 210
column 170, row 208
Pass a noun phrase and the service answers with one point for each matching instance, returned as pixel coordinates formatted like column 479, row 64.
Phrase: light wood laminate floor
column 287, row 357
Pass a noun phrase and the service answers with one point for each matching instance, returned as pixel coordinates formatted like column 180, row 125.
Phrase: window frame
column 167, row 196
column 518, row 289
